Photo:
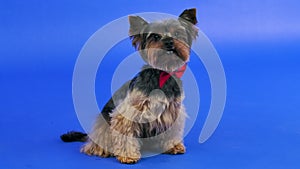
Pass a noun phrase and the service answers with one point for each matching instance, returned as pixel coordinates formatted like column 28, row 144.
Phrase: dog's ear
column 189, row 15
column 188, row 19
column 137, row 24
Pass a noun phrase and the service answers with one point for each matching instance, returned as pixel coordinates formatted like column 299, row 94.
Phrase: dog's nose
column 168, row 43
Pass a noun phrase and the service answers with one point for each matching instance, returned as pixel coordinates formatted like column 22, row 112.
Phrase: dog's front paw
column 177, row 149
column 94, row 149
column 128, row 160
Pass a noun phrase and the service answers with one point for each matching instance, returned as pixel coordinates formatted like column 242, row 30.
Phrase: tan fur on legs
column 125, row 130
column 125, row 141
column 177, row 149
column 93, row 149
column 173, row 140
column 100, row 143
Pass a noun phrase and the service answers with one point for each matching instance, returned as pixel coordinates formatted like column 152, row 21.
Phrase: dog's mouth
column 172, row 51
column 168, row 60
column 165, row 59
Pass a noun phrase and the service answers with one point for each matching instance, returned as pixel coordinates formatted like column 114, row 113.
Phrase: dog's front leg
column 125, row 132
column 173, row 138
column 125, row 141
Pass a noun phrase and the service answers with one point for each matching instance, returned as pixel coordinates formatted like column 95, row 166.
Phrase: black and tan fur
column 141, row 112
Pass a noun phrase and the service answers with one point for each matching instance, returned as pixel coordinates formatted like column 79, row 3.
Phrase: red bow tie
column 164, row 76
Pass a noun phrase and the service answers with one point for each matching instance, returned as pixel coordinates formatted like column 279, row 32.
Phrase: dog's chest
column 147, row 82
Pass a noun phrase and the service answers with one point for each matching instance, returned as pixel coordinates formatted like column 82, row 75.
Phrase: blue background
column 258, row 42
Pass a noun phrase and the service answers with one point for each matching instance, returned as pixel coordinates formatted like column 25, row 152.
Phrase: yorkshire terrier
column 148, row 109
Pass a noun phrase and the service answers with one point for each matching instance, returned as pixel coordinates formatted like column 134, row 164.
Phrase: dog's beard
column 167, row 60
column 164, row 60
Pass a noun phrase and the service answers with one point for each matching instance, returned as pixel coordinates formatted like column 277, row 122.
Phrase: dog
column 148, row 109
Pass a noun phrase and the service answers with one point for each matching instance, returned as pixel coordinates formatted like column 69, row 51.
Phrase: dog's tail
column 73, row 136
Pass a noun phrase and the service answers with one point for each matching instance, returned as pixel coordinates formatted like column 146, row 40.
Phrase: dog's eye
column 155, row 37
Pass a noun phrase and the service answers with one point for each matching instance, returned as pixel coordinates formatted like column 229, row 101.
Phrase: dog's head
column 166, row 44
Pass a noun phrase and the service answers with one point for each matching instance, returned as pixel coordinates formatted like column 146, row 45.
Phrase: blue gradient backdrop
column 258, row 42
